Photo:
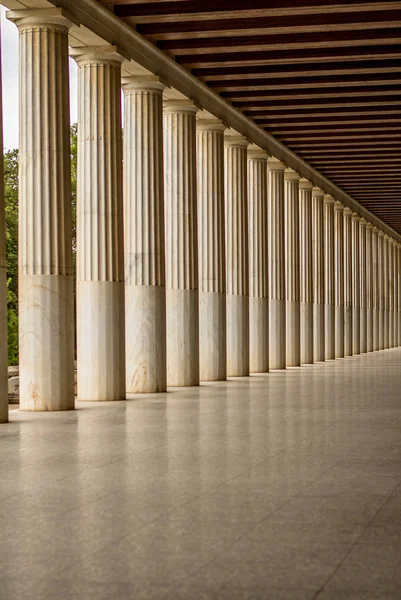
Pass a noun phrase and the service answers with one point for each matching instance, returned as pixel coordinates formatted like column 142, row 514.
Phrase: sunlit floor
column 280, row 486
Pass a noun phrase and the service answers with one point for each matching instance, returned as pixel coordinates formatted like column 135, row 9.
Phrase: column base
column 182, row 337
column 339, row 340
column 369, row 329
column 319, row 353
column 46, row 339
column 100, row 341
column 376, row 322
column 293, row 334
column 348, row 330
column 356, row 331
column 306, row 334
column 145, row 339
column 237, row 336
column 277, row 334
column 212, row 336
column 329, row 335
column 363, row 344
column 259, row 335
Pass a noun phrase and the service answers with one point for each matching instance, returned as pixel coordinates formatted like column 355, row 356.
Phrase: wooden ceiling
column 323, row 77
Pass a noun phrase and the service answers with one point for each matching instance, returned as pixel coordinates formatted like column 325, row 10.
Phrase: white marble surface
column 318, row 275
column 306, row 272
column 258, row 335
column 362, row 283
column 329, row 278
column 292, row 269
column 348, row 331
column 182, row 307
column 339, row 292
column 237, row 335
column 356, row 286
column 212, row 336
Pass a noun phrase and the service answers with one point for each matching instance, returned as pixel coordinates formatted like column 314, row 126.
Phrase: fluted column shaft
column 369, row 287
column 318, row 275
column 391, row 293
column 182, row 296
column 375, row 289
column 100, row 253
column 144, row 257
column 258, row 265
column 46, row 326
column 211, row 253
column 276, row 257
column 306, row 271
column 395, row 292
column 237, row 255
column 292, row 282
column 329, row 290
column 339, row 279
column 381, row 279
column 356, row 286
column 3, row 280
column 348, row 329
column 362, row 280
column 386, row 289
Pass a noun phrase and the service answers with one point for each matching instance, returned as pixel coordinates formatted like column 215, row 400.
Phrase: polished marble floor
column 279, row 486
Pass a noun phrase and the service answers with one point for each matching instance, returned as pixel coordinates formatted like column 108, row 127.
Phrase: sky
column 9, row 45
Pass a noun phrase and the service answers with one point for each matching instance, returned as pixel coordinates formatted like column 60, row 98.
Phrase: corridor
column 284, row 486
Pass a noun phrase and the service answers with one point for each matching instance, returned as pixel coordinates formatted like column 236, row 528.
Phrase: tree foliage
column 11, row 216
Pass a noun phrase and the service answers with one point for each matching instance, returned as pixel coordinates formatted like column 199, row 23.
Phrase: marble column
column 276, row 258
column 395, row 292
column 3, row 281
column 306, row 268
column 356, row 286
column 258, row 265
column 182, row 295
column 375, row 288
column 46, row 321
column 390, row 293
column 237, row 255
column 369, row 288
column 292, row 283
column 386, row 291
column 380, row 260
column 339, row 279
column 144, row 257
column 348, row 329
column 211, row 250
column 329, row 290
column 100, row 252
column 362, row 284
column 399, row 293
column 318, row 275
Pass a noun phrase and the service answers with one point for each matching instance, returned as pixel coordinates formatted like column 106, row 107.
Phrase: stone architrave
column 237, row 254
column 306, row 268
column 144, row 256
column 258, row 264
column 100, row 235
column 182, row 276
column 292, row 268
column 211, row 253
column 46, row 319
column 276, row 258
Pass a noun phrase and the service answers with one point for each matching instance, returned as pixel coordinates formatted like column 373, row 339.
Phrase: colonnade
column 203, row 258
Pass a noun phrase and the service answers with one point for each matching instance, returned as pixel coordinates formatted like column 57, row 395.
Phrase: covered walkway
column 279, row 486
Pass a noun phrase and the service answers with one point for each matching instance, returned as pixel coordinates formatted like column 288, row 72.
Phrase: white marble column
column 144, row 257
column 211, row 250
column 292, row 268
column 318, row 275
column 100, row 251
column 276, row 257
column 386, row 288
column 395, row 292
column 399, row 293
column 3, row 281
column 390, row 293
column 182, row 296
column 375, row 288
column 356, row 286
column 362, row 280
column 237, row 255
column 306, row 269
column 348, row 279
column 329, row 290
column 258, row 265
column 380, row 260
column 46, row 324
column 369, row 288
column 339, row 279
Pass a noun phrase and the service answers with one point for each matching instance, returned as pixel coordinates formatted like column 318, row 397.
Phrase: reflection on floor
column 280, row 486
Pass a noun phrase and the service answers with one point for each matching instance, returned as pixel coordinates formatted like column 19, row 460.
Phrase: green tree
column 11, row 215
